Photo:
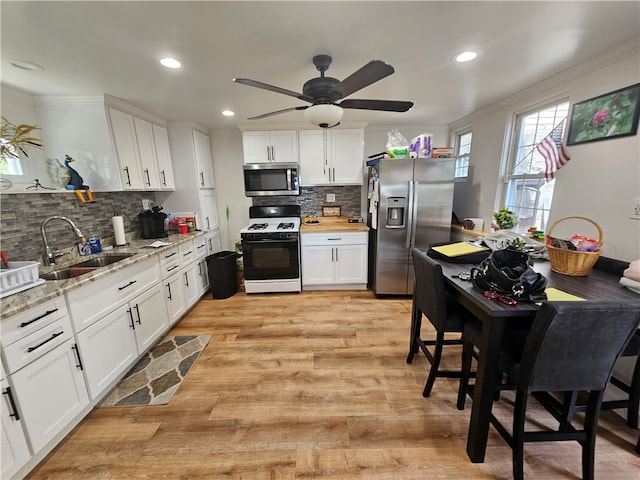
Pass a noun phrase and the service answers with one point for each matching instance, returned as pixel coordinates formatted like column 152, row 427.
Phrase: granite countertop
column 332, row 224
column 50, row 289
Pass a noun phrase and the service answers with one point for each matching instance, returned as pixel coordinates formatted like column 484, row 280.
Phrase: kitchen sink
column 85, row 267
column 102, row 261
column 69, row 272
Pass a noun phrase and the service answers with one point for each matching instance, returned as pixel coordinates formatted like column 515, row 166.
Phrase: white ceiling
column 91, row 48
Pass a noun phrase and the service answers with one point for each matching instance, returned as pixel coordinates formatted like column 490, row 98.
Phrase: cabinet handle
column 201, row 179
column 201, row 246
column 335, row 239
column 173, row 268
column 188, row 253
column 337, row 255
column 273, row 153
column 146, row 171
column 74, row 347
column 54, row 335
column 127, row 285
column 332, row 260
column 48, row 312
column 131, row 317
column 12, row 404
column 126, row 169
column 164, row 180
column 268, row 153
column 208, row 226
column 186, row 279
column 200, row 269
column 169, row 288
column 137, row 313
column 171, row 255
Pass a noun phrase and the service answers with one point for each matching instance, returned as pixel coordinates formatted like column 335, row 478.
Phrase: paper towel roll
column 118, row 230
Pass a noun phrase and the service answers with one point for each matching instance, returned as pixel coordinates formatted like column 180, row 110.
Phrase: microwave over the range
column 271, row 179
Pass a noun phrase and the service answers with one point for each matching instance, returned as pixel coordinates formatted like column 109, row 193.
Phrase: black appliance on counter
column 151, row 223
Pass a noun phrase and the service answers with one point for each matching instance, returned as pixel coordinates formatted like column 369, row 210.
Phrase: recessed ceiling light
column 24, row 65
column 465, row 56
column 228, row 113
column 170, row 63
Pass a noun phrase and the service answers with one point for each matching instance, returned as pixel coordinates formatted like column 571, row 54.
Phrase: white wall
column 601, row 180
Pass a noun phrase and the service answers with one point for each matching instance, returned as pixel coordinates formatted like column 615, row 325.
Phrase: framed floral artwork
column 612, row 115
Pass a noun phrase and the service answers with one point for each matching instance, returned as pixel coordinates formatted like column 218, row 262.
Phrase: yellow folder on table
column 553, row 294
column 459, row 248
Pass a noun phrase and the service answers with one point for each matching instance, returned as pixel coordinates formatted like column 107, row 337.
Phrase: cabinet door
column 314, row 157
column 347, row 151
column 213, row 243
column 107, row 348
column 202, row 277
column 147, row 151
column 126, row 144
column 163, row 154
column 51, row 392
column 174, row 297
column 150, row 317
column 284, row 146
column 256, row 147
column 14, row 449
column 317, row 265
column 190, row 285
column 208, row 210
column 351, row 264
column 202, row 151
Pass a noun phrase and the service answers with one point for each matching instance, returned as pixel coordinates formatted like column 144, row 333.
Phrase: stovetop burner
column 285, row 226
column 258, row 226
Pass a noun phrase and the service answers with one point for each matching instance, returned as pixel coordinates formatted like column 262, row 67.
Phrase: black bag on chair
column 509, row 272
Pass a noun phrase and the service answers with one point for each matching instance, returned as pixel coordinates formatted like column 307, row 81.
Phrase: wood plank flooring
column 311, row 385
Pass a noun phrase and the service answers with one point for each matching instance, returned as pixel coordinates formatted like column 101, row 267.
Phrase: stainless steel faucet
column 50, row 257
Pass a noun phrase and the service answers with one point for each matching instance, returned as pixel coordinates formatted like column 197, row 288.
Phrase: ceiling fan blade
column 272, row 88
column 385, row 105
column 277, row 112
column 372, row 72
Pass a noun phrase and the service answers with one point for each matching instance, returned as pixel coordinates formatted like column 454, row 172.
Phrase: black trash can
column 222, row 274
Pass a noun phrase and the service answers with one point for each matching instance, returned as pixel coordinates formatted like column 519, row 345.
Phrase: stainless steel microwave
column 271, row 179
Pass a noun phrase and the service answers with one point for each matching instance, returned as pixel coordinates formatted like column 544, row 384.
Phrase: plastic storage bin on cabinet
column 222, row 274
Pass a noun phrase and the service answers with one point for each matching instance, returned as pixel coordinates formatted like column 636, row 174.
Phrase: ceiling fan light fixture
column 324, row 115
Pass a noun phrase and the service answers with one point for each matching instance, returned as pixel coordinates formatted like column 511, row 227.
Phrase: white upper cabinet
column 126, row 144
column 163, row 154
column 331, row 157
column 202, row 152
column 279, row 146
column 148, row 157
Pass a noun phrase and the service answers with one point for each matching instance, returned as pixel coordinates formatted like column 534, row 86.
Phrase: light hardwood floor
column 311, row 385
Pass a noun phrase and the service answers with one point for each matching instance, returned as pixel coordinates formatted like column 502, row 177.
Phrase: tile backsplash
column 22, row 213
column 312, row 199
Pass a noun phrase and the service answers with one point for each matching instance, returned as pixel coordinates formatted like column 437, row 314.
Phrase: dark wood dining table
column 598, row 285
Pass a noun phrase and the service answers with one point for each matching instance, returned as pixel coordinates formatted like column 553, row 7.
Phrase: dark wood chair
column 431, row 298
column 572, row 346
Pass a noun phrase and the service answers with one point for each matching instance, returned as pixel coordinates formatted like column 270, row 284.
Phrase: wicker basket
column 571, row 262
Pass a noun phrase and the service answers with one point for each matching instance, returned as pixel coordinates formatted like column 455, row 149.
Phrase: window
column 10, row 163
column 526, row 193
column 463, row 149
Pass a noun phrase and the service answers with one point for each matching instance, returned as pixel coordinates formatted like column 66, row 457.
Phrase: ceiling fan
column 323, row 93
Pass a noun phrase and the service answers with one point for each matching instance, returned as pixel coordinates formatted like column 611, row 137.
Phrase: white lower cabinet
column 14, row 449
column 334, row 261
column 174, row 297
column 51, row 392
column 149, row 317
column 190, row 284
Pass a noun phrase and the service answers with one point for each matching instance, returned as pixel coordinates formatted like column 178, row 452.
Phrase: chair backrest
column 574, row 345
column 429, row 291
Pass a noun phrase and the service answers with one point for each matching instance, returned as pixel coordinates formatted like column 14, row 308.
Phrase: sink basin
column 69, row 272
column 102, row 261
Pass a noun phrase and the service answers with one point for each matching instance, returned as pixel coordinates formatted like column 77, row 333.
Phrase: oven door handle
column 270, row 240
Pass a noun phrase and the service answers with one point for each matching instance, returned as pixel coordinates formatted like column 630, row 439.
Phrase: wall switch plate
column 635, row 211
column 331, row 197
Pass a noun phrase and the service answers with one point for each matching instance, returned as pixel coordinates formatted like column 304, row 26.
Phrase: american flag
column 553, row 152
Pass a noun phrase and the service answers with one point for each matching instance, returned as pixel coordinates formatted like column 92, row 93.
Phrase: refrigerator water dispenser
column 395, row 212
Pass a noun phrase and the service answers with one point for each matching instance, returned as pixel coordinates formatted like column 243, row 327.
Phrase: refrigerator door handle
column 414, row 212
column 410, row 216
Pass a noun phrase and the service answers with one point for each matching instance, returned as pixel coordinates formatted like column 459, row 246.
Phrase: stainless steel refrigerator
column 410, row 204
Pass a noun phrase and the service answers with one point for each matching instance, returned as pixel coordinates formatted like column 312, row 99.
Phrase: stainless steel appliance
column 271, row 249
column 271, row 179
column 410, row 206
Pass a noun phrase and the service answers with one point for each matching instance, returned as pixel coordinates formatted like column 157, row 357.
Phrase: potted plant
column 16, row 140
column 505, row 218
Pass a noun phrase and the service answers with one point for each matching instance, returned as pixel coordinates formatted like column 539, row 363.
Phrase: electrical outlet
column 635, row 211
column 331, row 197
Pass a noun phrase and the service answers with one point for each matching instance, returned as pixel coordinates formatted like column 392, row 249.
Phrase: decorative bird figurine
column 76, row 182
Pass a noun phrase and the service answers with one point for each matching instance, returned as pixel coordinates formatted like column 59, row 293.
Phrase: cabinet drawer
column 91, row 302
column 336, row 238
column 200, row 246
column 187, row 253
column 34, row 346
column 25, row 323
column 169, row 262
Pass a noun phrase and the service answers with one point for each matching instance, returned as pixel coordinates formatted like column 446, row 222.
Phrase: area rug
column 158, row 375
